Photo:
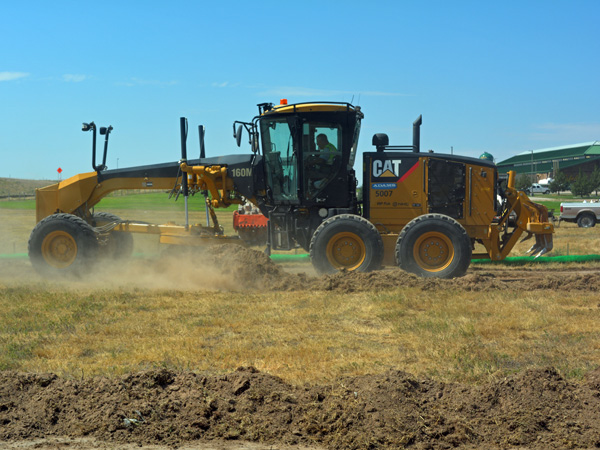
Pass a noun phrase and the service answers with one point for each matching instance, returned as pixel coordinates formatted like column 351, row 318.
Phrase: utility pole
column 532, row 174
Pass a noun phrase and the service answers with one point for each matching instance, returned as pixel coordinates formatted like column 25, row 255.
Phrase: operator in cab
column 327, row 150
column 322, row 161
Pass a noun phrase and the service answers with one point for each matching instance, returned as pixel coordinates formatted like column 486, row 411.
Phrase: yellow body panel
column 66, row 196
column 392, row 209
column 78, row 194
column 398, row 195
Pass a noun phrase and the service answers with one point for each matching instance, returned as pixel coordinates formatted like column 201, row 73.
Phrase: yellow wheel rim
column 346, row 251
column 59, row 249
column 433, row 251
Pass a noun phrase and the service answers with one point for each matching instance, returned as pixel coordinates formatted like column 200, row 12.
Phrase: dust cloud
column 227, row 267
column 214, row 267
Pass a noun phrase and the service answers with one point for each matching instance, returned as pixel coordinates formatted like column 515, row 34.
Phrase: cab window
column 280, row 161
column 321, row 155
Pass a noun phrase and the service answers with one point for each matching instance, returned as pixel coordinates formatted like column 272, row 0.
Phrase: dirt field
column 180, row 409
column 535, row 409
column 248, row 409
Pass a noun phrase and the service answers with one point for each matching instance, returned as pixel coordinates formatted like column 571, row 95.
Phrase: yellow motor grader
column 421, row 211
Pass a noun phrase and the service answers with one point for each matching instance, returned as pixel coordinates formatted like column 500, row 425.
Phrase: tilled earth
column 255, row 270
column 536, row 409
column 247, row 409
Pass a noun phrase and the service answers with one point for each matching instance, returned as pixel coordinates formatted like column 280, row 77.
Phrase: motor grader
column 422, row 211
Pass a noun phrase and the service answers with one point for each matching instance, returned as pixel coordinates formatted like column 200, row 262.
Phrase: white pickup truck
column 586, row 213
column 537, row 188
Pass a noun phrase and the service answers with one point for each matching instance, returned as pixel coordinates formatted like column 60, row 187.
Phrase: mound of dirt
column 255, row 269
column 536, row 409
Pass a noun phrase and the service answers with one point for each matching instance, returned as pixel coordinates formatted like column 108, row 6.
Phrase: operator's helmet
column 487, row 156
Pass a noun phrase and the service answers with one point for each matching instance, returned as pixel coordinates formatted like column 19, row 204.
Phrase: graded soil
column 247, row 409
column 253, row 269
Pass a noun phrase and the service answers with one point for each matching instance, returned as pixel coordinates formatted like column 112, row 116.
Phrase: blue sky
column 502, row 77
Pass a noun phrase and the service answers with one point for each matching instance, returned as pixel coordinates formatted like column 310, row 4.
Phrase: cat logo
column 386, row 168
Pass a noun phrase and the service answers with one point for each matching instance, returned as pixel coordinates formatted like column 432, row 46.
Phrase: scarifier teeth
column 529, row 236
column 549, row 243
column 543, row 244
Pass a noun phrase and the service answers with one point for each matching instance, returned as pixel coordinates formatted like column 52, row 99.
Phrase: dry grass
column 114, row 325
column 17, row 186
column 76, row 330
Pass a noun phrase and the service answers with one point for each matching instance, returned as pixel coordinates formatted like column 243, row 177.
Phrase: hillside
column 19, row 187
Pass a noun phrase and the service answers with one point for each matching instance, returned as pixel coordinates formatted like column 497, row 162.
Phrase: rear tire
column 434, row 245
column 120, row 243
column 346, row 242
column 62, row 244
column 586, row 220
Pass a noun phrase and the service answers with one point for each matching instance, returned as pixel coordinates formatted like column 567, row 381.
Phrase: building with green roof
column 544, row 163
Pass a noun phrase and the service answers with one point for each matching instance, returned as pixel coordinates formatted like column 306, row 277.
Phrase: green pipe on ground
column 515, row 260
column 521, row 260
column 286, row 258
column 13, row 255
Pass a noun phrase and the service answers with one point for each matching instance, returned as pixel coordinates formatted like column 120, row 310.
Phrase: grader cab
column 424, row 212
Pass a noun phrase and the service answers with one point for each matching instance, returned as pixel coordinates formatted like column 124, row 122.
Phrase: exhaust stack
column 417, row 134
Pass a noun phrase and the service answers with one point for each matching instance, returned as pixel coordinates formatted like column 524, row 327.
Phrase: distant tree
column 595, row 179
column 582, row 186
column 359, row 193
column 560, row 182
column 522, row 182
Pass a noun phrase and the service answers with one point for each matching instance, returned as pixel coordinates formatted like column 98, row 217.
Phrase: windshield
column 280, row 160
column 354, row 142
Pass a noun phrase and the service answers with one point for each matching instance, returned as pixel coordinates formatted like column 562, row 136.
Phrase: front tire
column 62, row 244
column 434, row 245
column 586, row 220
column 346, row 242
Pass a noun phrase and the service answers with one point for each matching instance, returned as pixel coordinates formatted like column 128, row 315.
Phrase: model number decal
column 244, row 172
column 386, row 193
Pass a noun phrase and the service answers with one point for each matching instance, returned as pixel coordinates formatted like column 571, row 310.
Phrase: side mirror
column 254, row 143
column 238, row 136
column 102, row 130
